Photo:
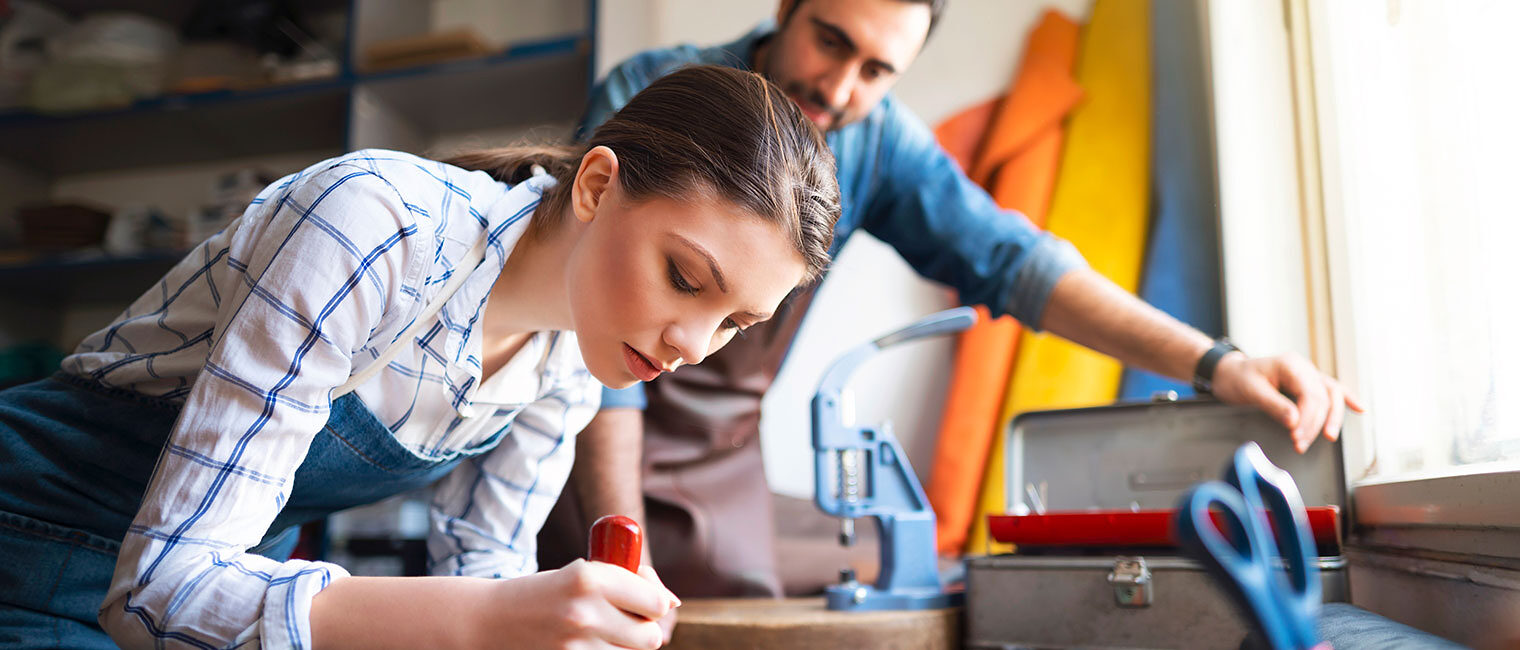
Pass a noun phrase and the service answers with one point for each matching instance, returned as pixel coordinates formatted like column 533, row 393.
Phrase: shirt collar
column 506, row 222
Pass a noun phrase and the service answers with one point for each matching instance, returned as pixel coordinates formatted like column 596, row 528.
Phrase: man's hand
column 1263, row 383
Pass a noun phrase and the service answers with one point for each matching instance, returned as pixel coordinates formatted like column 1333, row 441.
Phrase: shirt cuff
column 631, row 397
column 1050, row 259
column 286, row 622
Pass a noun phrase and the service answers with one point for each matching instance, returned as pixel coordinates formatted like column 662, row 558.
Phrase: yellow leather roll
column 1100, row 205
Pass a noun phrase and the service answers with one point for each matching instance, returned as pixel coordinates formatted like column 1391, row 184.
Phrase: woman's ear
column 597, row 174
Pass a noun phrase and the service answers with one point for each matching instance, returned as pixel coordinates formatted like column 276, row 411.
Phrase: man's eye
column 677, row 280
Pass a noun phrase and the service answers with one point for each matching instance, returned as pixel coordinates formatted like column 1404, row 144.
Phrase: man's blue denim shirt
column 899, row 185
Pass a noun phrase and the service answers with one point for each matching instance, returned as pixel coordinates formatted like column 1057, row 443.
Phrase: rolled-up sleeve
column 318, row 260
column 951, row 231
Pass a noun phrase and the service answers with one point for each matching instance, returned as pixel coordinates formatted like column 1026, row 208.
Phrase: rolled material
column 1182, row 263
column 1101, row 206
column 1016, row 162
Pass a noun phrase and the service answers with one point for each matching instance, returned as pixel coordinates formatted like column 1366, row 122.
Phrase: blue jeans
column 1347, row 627
column 76, row 459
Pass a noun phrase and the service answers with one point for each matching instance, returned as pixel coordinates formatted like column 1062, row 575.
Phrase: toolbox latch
column 1131, row 582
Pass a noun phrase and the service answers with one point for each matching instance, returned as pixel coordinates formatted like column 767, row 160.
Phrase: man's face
column 838, row 58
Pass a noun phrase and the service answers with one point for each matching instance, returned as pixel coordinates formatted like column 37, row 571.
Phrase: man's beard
column 815, row 98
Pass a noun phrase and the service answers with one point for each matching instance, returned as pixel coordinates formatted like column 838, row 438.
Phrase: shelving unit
column 536, row 82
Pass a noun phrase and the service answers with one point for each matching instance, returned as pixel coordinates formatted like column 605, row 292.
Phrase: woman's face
column 659, row 283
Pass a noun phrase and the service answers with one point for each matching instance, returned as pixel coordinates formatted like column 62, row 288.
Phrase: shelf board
column 175, row 12
column 537, row 81
column 65, row 277
column 180, row 129
column 77, row 261
column 530, row 83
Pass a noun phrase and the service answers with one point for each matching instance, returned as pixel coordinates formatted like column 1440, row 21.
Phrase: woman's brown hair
column 700, row 129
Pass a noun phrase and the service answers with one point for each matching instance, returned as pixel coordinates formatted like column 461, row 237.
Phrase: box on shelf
column 62, row 226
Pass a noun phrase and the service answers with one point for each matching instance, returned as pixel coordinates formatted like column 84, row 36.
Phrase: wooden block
column 426, row 48
column 805, row 624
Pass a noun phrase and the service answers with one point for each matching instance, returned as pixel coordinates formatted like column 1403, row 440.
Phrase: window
column 1368, row 160
column 1417, row 108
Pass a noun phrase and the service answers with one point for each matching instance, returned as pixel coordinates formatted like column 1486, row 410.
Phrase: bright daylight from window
column 1419, row 139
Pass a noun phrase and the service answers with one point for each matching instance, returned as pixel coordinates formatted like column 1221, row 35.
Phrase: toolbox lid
column 1143, row 455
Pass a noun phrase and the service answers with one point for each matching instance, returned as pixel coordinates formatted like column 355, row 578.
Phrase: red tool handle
column 616, row 539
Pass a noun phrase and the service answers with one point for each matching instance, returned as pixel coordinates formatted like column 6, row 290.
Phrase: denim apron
column 75, row 460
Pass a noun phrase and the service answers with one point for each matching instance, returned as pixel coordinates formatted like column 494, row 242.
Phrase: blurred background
column 1346, row 171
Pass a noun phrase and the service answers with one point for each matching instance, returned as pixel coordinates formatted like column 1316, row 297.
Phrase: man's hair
column 936, row 8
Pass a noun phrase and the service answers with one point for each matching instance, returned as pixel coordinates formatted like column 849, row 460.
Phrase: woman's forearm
column 396, row 612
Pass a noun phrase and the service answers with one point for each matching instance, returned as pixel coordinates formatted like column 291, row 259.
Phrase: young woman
column 377, row 322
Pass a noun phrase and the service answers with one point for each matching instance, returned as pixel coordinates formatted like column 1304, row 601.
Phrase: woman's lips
column 638, row 364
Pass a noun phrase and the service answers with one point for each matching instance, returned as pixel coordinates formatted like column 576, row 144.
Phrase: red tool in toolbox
column 1138, row 529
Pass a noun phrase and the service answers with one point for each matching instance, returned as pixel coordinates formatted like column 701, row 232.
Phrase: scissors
column 1284, row 607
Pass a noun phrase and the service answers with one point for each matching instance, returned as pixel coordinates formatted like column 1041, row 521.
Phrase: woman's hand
column 667, row 622
column 584, row 605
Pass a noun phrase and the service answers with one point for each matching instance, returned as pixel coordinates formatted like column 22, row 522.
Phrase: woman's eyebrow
column 712, row 263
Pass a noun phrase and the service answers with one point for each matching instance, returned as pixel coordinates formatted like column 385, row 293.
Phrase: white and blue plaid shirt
column 254, row 329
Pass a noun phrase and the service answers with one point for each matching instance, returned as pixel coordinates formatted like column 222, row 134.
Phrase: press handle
column 943, row 322
column 616, row 539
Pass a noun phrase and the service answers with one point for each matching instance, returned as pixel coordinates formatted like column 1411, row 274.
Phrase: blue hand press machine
column 863, row 472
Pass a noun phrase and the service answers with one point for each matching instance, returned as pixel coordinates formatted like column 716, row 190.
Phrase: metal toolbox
column 1128, row 457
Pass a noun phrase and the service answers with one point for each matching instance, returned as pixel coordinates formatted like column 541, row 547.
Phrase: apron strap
column 464, row 268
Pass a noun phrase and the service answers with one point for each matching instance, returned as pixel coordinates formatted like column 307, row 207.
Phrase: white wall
column 971, row 57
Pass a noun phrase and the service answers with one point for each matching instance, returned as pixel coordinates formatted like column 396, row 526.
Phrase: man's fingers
column 1354, row 404
column 1312, row 407
column 1264, row 395
column 1337, row 414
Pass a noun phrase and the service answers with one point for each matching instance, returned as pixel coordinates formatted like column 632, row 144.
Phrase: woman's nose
column 685, row 341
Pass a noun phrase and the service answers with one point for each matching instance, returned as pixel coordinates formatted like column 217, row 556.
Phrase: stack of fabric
column 1074, row 137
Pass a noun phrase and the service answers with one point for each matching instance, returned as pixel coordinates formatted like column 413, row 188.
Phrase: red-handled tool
column 616, row 539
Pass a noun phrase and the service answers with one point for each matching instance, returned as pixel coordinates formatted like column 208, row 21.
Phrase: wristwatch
column 1203, row 373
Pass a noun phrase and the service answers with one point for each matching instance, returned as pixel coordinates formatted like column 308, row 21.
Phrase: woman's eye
column 729, row 324
column 677, row 280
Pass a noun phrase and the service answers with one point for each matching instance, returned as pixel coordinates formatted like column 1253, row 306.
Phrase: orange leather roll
column 1016, row 161
column 1100, row 205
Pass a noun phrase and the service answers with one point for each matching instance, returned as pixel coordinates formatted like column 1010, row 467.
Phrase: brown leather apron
column 710, row 526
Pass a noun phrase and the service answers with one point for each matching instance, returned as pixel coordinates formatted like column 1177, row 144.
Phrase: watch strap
column 1203, row 373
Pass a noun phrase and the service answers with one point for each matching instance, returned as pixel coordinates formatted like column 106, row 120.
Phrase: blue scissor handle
column 1286, row 609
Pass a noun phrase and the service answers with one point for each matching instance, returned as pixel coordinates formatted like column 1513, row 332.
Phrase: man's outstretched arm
column 1088, row 309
